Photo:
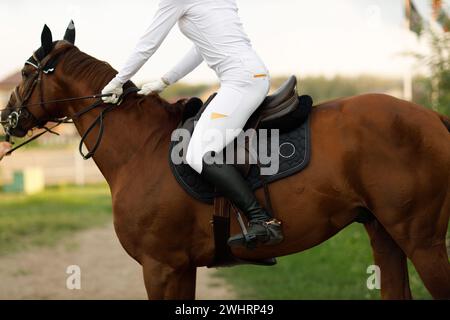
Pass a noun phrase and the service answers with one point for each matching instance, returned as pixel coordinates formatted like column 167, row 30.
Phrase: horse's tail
column 445, row 120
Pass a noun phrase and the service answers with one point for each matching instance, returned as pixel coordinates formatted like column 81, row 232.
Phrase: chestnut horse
column 371, row 152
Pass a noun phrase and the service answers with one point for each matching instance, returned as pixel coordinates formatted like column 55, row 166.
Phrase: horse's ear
column 46, row 40
column 70, row 33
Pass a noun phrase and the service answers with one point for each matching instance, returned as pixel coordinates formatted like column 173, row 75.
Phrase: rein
column 34, row 137
column 96, row 96
column 98, row 121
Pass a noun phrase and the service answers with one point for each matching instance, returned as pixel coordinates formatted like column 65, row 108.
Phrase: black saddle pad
column 294, row 156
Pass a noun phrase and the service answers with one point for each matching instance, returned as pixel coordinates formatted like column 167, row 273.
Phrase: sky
column 302, row 37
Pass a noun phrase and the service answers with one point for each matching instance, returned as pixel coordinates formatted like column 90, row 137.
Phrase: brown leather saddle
column 283, row 110
column 275, row 110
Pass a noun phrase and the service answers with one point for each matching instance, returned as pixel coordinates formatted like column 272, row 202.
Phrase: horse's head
column 26, row 109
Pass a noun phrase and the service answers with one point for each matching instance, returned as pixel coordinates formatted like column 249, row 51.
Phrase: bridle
column 21, row 108
column 46, row 66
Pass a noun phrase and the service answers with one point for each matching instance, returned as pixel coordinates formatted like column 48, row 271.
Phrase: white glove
column 156, row 86
column 114, row 87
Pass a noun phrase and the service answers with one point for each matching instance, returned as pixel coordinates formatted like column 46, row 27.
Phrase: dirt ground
column 107, row 272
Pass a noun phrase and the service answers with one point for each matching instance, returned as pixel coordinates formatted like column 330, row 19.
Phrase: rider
column 218, row 36
column 4, row 148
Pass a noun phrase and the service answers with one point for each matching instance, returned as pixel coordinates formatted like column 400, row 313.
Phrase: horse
column 371, row 152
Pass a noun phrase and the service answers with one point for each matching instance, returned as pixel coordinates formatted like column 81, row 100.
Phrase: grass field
column 42, row 219
column 333, row 270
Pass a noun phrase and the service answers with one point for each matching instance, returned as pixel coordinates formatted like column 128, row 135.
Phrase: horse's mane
column 85, row 68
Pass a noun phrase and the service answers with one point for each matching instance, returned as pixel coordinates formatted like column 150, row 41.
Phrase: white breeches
column 227, row 114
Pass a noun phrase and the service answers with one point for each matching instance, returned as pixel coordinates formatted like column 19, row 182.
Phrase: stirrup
column 246, row 241
column 250, row 241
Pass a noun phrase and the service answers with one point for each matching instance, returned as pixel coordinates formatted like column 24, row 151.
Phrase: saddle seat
column 283, row 101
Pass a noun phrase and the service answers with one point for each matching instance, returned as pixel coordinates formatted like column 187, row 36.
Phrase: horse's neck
column 127, row 131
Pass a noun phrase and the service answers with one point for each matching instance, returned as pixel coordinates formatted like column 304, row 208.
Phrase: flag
column 414, row 18
column 440, row 15
column 437, row 7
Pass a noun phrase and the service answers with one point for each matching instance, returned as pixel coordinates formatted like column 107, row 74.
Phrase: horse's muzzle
column 4, row 114
column 9, row 120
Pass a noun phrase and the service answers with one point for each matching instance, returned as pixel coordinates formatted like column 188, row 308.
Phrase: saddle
column 283, row 110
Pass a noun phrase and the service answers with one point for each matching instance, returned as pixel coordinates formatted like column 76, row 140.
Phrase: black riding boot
column 262, row 227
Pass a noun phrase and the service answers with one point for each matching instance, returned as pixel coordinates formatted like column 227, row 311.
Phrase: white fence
column 59, row 166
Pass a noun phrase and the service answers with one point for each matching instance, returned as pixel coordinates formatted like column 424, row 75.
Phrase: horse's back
column 396, row 120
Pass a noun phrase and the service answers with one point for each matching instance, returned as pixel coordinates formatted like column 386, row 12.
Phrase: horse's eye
column 24, row 74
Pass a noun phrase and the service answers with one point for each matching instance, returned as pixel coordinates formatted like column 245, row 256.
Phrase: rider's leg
column 219, row 125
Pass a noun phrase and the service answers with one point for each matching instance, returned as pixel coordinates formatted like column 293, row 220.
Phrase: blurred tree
column 439, row 62
column 184, row 90
column 323, row 88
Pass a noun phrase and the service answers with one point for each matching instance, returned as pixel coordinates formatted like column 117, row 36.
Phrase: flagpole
column 407, row 75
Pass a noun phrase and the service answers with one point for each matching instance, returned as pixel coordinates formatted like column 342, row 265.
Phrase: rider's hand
column 114, row 88
column 156, row 86
column 4, row 148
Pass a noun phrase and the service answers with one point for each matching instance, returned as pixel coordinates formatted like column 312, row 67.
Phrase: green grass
column 44, row 218
column 333, row 270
